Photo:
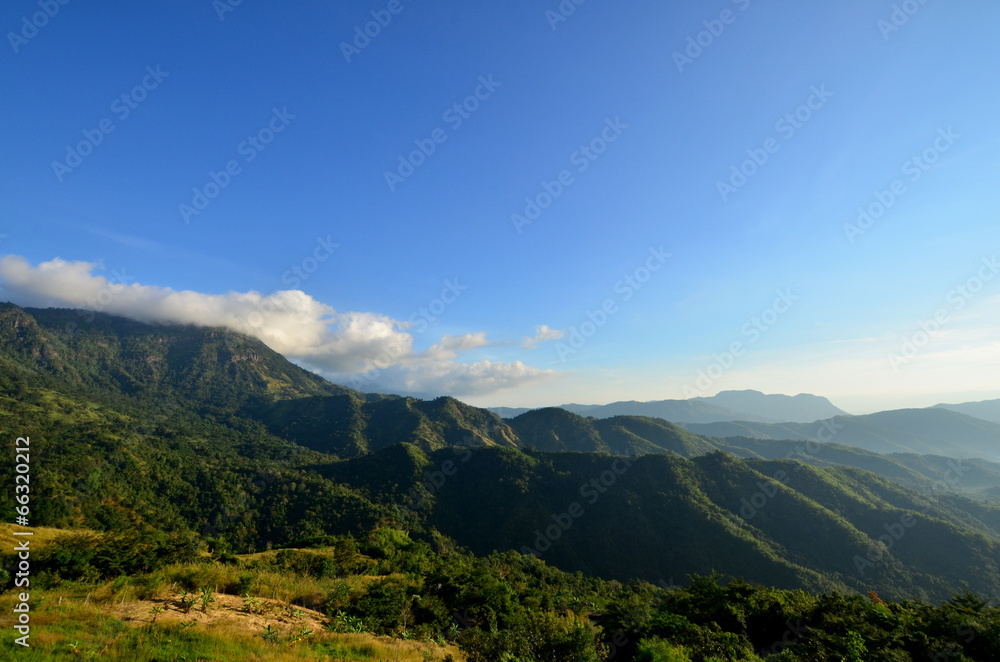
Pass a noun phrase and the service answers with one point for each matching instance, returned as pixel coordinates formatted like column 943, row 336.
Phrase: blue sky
column 645, row 128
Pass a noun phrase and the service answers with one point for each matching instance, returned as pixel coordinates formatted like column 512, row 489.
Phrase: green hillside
column 655, row 517
column 209, row 438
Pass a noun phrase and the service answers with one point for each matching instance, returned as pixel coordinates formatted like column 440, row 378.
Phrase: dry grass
column 76, row 623
column 41, row 535
column 224, row 609
column 142, row 618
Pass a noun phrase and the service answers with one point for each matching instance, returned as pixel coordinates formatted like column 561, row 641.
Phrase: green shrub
column 660, row 650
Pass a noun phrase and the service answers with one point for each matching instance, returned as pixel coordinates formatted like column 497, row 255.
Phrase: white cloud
column 449, row 346
column 430, row 377
column 339, row 345
column 542, row 333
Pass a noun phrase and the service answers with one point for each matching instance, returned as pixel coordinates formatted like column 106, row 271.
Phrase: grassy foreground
column 190, row 611
column 384, row 596
column 100, row 622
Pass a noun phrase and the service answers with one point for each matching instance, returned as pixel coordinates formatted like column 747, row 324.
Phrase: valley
column 213, row 449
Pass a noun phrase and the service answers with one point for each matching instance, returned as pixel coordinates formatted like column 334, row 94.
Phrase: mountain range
column 968, row 430
column 988, row 410
column 745, row 405
column 209, row 432
column 933, row 430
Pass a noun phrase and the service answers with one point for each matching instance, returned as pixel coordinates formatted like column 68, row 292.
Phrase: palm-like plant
column 206, row 598
column 187, row 601
column 252, row 605
column 270, row 634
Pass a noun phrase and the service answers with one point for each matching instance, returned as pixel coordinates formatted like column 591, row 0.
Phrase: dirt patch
column 224, row 610
column 228, row 613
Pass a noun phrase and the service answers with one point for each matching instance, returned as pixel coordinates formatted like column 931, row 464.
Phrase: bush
column 89, row 557
column 385, row 606
column 661, row 650
column 304, row 563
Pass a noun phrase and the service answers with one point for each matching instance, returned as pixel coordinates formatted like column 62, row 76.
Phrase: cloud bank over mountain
column 368, row 350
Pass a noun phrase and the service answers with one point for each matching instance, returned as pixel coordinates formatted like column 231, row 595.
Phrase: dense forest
column 503, row 606
column 177, row 460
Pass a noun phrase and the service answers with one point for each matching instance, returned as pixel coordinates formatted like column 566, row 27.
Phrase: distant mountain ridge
column 671, row 410
column 932, row 431
column 944, row 430
column 747, row 405
column 555, row 430
column 801, row 408
column 988, row 410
